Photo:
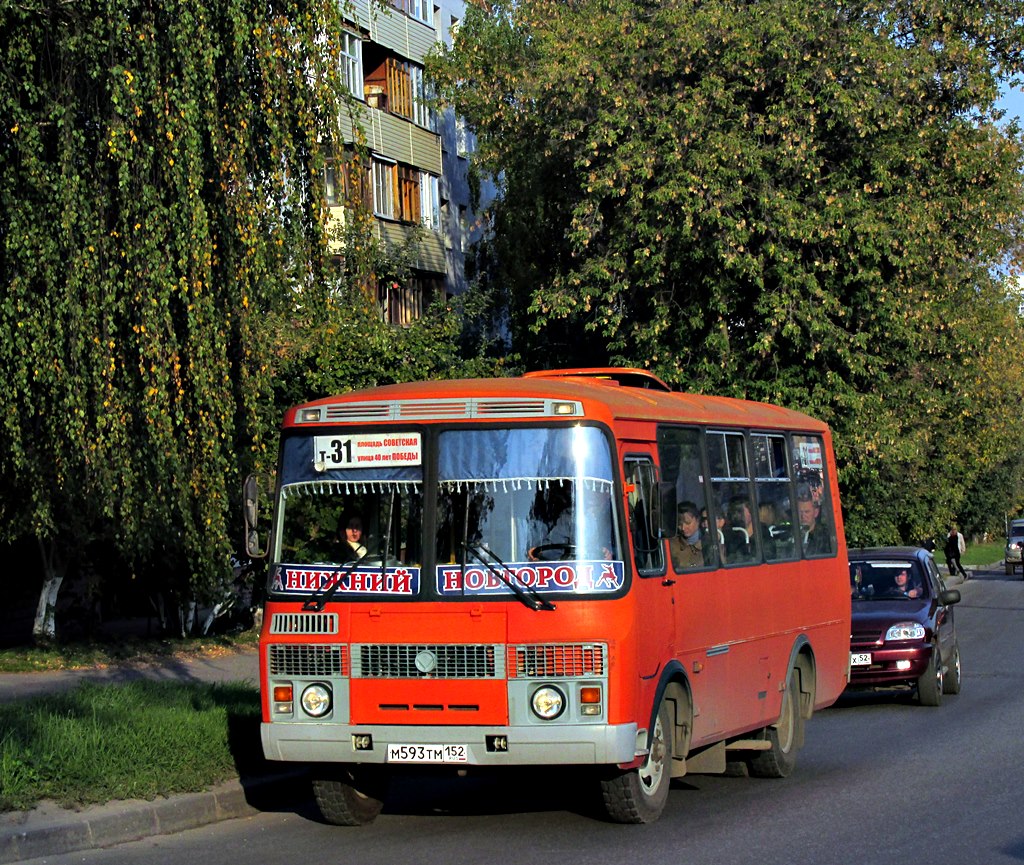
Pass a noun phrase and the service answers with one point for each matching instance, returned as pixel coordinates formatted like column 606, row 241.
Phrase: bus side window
column 648, row 548
column 815, row 528
column 730, row 482
column 774, row 496
column 681, row 458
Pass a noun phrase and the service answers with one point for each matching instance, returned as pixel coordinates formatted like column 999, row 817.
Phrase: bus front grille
column 562, row 660
column 291, row 659
column 434, row 661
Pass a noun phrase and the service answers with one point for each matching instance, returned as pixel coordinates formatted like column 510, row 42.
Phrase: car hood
column 883, row 611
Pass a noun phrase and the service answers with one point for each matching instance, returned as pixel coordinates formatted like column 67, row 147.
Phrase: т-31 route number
column 367, row 450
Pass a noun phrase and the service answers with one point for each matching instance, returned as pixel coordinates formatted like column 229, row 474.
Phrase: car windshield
column 888, row 579
column 1016, row 533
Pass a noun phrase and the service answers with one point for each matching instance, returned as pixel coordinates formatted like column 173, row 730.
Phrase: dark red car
column 903, row 633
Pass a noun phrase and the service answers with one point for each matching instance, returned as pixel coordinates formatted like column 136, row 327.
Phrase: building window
column 408, row 194
column 421, row 10
column 384, row 183
column 430, row 201
column 332, row 191
column 401, row 304
column 421, row 113
column 346, row 182
column 352, row 63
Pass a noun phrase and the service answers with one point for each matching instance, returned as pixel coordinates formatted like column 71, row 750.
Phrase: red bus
column 570, row 568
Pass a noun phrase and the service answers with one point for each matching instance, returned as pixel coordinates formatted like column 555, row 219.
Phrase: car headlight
column 547, row 702
column 905, row 631
column 316, row 700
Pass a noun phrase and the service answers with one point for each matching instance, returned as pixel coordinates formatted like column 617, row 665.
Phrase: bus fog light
column 316, row 700
column 547, row 702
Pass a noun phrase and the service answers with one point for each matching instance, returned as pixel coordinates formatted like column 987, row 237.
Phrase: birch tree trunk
column 55, row 567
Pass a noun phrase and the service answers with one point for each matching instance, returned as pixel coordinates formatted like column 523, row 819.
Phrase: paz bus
column 480, row 574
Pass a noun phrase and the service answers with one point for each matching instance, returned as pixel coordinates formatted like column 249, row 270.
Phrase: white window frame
column 384, row 172
column 421, row 114
column 430, row 201
column 422, row 10
column 352, row 62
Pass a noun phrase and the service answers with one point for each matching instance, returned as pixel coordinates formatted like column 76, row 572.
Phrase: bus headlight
column 547, row 702
column 316, row 700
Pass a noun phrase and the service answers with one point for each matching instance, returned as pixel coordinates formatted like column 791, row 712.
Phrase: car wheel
column 1009, row 567
column 951, row 681
column 347, row 799
column 929, row 685
column 786, row 736
column 639, row 795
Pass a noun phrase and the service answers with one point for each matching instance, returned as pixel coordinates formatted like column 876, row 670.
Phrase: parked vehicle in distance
column 903, row 632
column 1014, row 556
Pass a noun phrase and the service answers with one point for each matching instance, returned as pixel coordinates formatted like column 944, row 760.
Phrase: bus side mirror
column 250, row 515
column 667, row 504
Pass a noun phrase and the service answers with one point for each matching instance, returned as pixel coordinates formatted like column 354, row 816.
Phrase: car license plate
column 427, row 753
column 860, row 659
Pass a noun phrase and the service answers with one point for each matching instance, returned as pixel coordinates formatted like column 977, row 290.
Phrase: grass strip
column 97, row 653
column 139, row 740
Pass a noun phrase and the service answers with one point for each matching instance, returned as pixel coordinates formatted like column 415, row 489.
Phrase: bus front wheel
column 346, row 797
column 639, row 795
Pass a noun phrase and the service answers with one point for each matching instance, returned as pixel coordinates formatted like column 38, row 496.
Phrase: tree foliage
column 801, row 202
column 159, row 211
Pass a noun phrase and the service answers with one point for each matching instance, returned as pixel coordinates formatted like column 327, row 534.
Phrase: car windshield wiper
column 527, row 595
column 322, row 596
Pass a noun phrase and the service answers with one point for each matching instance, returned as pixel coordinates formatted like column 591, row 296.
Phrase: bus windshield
column 526, row 508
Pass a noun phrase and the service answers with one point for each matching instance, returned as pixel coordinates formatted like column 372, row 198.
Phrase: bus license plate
column 860, row 659
column 427, row 754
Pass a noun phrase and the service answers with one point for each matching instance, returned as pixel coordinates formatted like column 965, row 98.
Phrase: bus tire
column 346, row 798
column 639, row 795
column 785, row 736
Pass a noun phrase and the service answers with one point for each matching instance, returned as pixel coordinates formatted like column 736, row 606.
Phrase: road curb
column 51, row 831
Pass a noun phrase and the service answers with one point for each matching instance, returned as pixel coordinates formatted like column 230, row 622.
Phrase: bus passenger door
column 653, row 615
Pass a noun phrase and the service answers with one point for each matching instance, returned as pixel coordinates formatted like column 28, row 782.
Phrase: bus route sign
column 367, row 451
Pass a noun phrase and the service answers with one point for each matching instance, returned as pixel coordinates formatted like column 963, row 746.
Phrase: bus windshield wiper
column 322, row 596
column 527, row 595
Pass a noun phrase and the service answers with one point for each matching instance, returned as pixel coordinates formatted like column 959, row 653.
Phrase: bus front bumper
column 558, row 744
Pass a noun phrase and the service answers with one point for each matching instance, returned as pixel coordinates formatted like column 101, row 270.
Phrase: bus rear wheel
column 639, row 795
column 346, row 797
column 785, row 736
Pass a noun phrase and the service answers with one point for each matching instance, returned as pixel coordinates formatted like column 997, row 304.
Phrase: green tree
column 801, row 202
column 157, row 210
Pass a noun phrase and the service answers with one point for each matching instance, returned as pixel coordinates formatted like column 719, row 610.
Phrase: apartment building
column 418, row 171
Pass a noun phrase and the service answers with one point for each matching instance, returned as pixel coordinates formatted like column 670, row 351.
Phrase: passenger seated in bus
column 815, row 536
column 739, row 536
column 686, row 548
column 352, row 547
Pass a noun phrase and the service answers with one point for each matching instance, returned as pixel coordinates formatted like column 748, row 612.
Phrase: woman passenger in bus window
column 686, row 548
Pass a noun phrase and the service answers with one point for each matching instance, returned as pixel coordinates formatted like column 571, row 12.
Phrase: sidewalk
column 50, row 830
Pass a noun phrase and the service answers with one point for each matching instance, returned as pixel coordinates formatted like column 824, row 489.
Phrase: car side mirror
column 949, row 597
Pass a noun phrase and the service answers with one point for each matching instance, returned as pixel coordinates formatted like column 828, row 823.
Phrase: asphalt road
column 880, row 780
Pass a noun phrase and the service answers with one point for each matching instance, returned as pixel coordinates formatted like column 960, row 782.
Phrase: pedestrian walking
column 955, row 547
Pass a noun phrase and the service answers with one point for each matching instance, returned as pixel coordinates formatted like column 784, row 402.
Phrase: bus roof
column 602, row 393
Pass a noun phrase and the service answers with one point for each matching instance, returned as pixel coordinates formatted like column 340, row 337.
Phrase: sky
column 1013, row 102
